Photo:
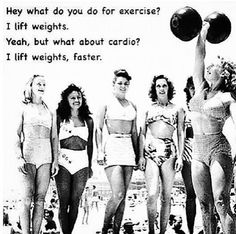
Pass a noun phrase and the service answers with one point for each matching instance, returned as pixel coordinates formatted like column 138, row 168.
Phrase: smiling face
column 75, row 100
column 213, row 74
column 38, row 86
column 121, row 86
column 161, row 89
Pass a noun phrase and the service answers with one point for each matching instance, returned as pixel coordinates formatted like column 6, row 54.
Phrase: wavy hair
column 121, row 73
column 152, row 92
column 189, row 84
column 227, row 73
column 64, row 109
column 27, row 93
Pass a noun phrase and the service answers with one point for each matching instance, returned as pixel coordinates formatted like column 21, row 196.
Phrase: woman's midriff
column 36, row 132
column 160, row 129
column 119, row 126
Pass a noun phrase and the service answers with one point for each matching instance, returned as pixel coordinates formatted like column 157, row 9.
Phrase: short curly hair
column 152, row 91
column 227, row 73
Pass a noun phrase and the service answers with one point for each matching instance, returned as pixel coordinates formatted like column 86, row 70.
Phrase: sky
column 156, row 51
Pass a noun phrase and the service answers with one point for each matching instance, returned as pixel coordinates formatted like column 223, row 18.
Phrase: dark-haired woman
column 119, row 155
column 160, row 155
column 37, row 153
column 187, row 160
column 75, row 127
column 212, row 164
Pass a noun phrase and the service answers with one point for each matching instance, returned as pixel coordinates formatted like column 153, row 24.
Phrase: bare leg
column 221, row 174
column 28, row 188
column 191, row 196
column 63, row 182
column 202, row 184
column 152, row 183
column 127, row 173
column 42, row 182
column 117, row 183
column 167, row 178
column 79, row 180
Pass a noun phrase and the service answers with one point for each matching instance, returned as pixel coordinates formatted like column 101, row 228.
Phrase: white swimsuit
column 118, row 147
column 71, row 156
column 36, row 132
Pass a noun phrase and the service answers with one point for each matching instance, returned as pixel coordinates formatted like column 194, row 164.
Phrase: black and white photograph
column 118, row 117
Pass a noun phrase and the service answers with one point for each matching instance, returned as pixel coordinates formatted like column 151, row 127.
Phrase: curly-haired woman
column 156, row 143
column 75, row 127
column 212, row 164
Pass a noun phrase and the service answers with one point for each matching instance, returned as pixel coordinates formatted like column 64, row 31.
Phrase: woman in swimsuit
column 156, row 140
column 36, row 151
column 212, row 164
column 187, row 159
column 75, row 127
column 119, row 155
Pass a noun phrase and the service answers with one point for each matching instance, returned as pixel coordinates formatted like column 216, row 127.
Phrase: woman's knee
column 119, row 196
column 26, row 201
column 39, row 199
column 222, row 203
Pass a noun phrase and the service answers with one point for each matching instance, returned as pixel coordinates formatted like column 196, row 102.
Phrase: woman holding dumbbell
column 212, row 165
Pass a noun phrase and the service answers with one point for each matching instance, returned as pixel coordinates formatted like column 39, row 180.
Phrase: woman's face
column 213, row 74
column 75, row 100
column 162, row 88
column 38, row 86
column 191, row 90
column 121, row 86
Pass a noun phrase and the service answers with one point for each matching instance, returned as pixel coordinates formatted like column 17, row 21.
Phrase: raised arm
column 54, row 145
column 98, row 134
column 200, row 53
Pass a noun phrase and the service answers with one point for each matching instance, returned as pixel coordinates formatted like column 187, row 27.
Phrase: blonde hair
column 28, row 89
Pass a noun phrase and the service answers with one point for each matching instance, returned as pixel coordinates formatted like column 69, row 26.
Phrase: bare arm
column 18, row 144
column 134, row 136
column 200, row 54
column 90, row 141
column 54, row 145
column 142, row 137
column 98, row 134
column 180, row 139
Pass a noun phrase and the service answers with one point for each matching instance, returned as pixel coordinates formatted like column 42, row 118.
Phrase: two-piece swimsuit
column 36, row 135
column 163, row 148
column 73, row 156
column 118, row 148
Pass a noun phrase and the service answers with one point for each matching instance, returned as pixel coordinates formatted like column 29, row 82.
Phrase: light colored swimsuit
column 118, row 147
column 210, row 147
column 36, row 132
column 163, row 148
column 72, row 139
